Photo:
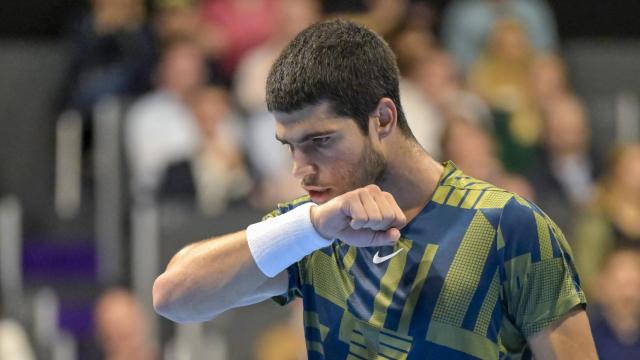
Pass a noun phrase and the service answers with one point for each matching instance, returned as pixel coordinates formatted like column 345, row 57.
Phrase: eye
column 321, row 140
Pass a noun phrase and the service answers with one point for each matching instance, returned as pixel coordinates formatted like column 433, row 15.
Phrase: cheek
column 340, row 174
column 333, row 170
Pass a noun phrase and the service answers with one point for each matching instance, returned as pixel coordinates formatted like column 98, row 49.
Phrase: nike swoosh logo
column 377, row 259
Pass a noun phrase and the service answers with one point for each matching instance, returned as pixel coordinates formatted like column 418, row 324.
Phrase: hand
column 363, row 217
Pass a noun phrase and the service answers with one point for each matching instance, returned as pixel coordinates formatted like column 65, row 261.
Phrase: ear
column 385, row 117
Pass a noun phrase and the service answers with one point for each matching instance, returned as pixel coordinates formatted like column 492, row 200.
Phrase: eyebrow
column 308, row 136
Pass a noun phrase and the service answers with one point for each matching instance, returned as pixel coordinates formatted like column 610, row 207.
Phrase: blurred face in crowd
column 294, row 16
column 619, row 283
column 331, row 155
column 210, row 106
column 548, row 78
column 470, row 147
column 174, row 21
column 509, row 41
column 567, row 131
column 182, row 68
column 121, row 325
column 412, row 47
column 437, row 77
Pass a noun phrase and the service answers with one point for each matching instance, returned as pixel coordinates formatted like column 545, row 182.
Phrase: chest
column 449, row 276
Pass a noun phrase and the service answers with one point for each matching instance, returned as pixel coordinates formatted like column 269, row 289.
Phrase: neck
column 412, row 177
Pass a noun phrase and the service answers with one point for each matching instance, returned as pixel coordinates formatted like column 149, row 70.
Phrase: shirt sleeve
column 540, row 282
column 295, row 286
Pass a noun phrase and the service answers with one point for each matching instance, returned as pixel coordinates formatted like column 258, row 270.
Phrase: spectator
column 122, row 328
column 181, row 19
column 233, row 27
column 616, row 322
column 161, row 128
column 269, row 159
column 291, row 17
column 412, row 46
column 112, row 51
column 438, row 78
column 175, row 19
column 502, row 78
column 471, row 147
column 381, row 16
column 219, row 169
column 466, row 25
column 564, row 177
column 548, row 79
column 611, row 222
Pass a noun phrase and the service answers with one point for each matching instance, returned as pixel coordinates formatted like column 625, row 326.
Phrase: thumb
column 391, row 235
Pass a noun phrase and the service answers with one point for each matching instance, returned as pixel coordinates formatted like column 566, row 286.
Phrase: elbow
column 170, row 302
column 162, row 302
column 166, row 301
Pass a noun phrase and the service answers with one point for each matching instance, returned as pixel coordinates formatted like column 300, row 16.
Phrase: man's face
column 330, row 154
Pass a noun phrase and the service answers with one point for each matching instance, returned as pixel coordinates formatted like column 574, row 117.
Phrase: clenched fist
column 363, row 217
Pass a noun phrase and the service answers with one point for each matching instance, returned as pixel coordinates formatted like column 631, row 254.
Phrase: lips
column 318, row 194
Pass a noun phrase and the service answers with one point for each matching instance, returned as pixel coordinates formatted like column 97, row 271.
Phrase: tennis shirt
column 474, row 274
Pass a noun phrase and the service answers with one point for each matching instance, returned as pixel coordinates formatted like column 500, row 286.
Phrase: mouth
column 318, row 195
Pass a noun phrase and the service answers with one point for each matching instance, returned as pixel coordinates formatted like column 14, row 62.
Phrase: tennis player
column 395, row 255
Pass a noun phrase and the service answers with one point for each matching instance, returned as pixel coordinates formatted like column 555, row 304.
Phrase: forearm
column 206, row 278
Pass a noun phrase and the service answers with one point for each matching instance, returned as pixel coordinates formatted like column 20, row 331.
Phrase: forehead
column 310, row 119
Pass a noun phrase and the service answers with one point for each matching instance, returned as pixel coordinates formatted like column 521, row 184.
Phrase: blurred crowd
column 486, row 88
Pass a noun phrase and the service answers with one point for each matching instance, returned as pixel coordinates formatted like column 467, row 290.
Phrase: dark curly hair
column 337, row 61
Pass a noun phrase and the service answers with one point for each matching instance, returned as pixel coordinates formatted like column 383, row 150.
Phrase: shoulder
column 463, row 191
column 518, row 211
column 522, row 227
column 526, row 230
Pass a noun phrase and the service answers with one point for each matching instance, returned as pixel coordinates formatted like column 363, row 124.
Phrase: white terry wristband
column 280, row 241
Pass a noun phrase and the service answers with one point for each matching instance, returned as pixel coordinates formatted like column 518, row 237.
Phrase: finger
column 373, row 212
column 400, row 219
column 387, row 210
column 357, row 212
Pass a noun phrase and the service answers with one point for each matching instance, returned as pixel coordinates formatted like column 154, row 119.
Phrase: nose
column 301, row 166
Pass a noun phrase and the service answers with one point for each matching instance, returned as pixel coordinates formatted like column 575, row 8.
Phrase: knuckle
column 375, row 218
column 373, row 188
column 389, row 217
column 389, row 197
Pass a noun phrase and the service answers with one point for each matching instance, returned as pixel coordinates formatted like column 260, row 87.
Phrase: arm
column 209, row 277
column 567, row 338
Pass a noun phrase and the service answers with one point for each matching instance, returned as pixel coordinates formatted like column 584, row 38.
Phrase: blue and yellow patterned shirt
column 480, row 271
